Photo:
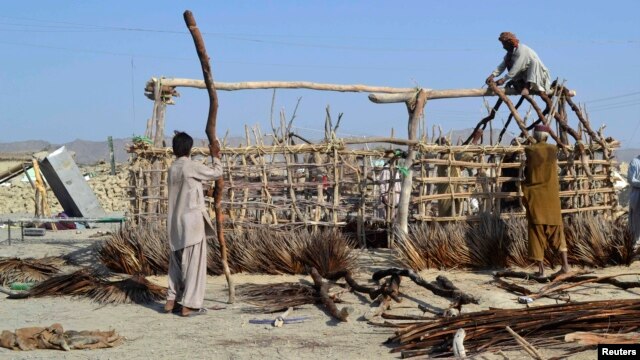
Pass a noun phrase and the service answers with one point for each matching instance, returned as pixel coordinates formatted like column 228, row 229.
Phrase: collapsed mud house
column 284, row 181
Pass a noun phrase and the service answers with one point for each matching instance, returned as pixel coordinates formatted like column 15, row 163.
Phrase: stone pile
column 111, row 191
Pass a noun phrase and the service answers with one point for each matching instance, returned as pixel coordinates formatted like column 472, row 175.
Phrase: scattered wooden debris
column 558, row 283
column 525, row 345
column 323, row 290
column 575, row 277
column 590, row 338
column 543, row 326
column 441, row 287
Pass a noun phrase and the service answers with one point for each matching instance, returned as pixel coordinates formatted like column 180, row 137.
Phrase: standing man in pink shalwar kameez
column 188, row 223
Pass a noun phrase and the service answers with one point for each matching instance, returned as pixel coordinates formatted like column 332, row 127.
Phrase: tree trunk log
column 211, row 135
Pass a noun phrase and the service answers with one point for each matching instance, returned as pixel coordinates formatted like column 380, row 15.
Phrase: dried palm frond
column 409, row 252
column 135, row 289
column 268, row 252
column 137, row 250
column 517, row 241
column 28, row 270
column 592, row 241
column 622, row 242
column 597, row 242
column 270, row 298
column 99, row 288
column 329, row 251
column 487, row 243
column 440, row 245
column 145, row 251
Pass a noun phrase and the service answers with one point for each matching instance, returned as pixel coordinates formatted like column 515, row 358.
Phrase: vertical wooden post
column 336, row 187
column 159, row 110
column 363, row 198
column 112, row 158
column 415, row 111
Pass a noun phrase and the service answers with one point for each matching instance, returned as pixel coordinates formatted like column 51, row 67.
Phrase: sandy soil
column 227, row 333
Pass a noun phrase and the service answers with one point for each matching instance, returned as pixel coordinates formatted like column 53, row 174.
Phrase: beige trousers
column 188, row 275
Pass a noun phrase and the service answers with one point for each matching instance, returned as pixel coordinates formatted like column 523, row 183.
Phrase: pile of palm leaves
column 145, row 250
column 434, row 245
column 270, row 298
column 137, row 250
column 28, row 270
column 100, row 288
column 592, row 240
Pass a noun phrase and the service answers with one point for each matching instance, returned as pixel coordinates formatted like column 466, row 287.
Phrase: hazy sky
column 77, row 69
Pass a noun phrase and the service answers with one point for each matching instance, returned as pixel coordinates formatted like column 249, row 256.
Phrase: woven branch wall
column 337, row 184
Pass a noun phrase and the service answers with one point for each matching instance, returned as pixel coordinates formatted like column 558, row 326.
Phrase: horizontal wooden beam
column 256, row 85
column 442, row 94
column 379, row 94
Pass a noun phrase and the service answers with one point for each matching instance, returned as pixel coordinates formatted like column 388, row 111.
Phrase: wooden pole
column 398, row 97
column 415, row 111
column 112, row 158
column 211, row 135
column 256, row 85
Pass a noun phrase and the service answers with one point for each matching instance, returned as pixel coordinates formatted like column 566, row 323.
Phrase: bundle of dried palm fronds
column 260, row 250
column 517, row 241
column 328, row 251
column 598, row 242
column 270, row 298
column 28, row 270
column 145, row 250
column 435, row 245
column 491, row 242
column 103, row 289
column 137, row 250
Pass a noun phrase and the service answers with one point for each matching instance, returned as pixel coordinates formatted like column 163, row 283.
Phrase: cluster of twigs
column 145, row 250
column 98, row 287
column 541, row 326
column 592, row 240
column 28, row 270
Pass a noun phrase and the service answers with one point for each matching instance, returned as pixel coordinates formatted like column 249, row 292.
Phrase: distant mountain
column 87, row 152
column 27, row 146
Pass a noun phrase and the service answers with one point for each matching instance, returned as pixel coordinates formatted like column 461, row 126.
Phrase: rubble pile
column 18, row 197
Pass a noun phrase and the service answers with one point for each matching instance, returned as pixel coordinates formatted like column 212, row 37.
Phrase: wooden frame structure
column 339, row 182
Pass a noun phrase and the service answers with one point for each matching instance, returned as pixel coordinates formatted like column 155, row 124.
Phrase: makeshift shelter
column 288, row 182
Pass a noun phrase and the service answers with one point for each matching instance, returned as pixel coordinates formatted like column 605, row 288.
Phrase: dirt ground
column 227, row 333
